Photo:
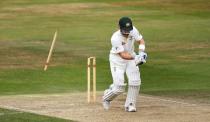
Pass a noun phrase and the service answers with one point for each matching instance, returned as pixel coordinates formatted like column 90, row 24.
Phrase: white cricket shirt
column 121, row 43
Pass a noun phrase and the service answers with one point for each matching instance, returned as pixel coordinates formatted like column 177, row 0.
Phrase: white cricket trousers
column 129, row 67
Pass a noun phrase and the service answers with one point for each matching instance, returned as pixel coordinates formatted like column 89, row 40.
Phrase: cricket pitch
column 74, row 106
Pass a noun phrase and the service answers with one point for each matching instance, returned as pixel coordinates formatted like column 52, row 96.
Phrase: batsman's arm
column 141, row 45
column 126, row 55
column 142, row 54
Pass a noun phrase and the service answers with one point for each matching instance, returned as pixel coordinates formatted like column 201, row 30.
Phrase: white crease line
column 26, row 111
column 167, row 100
column 18, row 109
column 11, row 113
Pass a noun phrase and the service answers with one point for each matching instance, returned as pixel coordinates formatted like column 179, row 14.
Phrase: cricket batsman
column 123, row 60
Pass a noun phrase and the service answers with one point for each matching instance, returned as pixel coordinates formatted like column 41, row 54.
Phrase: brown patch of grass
column 13, row 55
column 33, row 54
column 199, row 51
column 6, row 16
column 58, row 9
column 116, row 12
column 191, row 57
column 163, row 4
column 170, row 46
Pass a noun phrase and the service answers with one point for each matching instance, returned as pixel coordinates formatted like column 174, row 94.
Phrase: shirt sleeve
column 137, row 35
column 117, row 46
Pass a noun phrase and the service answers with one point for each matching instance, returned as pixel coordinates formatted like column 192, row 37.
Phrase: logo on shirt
column 131, row 38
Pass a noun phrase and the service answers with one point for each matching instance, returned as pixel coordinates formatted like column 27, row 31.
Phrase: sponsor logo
column 128, row 24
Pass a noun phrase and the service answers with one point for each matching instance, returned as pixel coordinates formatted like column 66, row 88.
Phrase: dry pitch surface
column 74, row 107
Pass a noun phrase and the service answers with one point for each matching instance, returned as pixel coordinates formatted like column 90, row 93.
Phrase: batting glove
column 141, row 58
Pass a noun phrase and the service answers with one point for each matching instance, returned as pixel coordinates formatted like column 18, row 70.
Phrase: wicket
column 50, row 52
column 93, row 66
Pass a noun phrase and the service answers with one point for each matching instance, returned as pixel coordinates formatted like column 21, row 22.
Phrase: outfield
column 18, row 116
column 176, row 34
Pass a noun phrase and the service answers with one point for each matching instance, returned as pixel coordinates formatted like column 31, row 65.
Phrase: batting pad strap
column 142, row 47
column 119, row 88
column 110, row 94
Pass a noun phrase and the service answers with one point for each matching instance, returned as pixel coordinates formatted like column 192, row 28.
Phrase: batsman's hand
column 141, row 58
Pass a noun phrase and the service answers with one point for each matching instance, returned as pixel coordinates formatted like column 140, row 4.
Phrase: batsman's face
column 125, row 33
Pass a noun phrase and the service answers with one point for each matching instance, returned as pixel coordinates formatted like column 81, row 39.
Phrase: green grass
column 17, row 116
column 176, row 34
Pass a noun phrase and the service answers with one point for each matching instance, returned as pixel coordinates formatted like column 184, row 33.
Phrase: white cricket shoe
column 130, row 108
column 106, row 104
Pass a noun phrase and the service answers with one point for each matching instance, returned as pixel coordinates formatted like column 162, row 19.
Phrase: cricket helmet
column 125, row 25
